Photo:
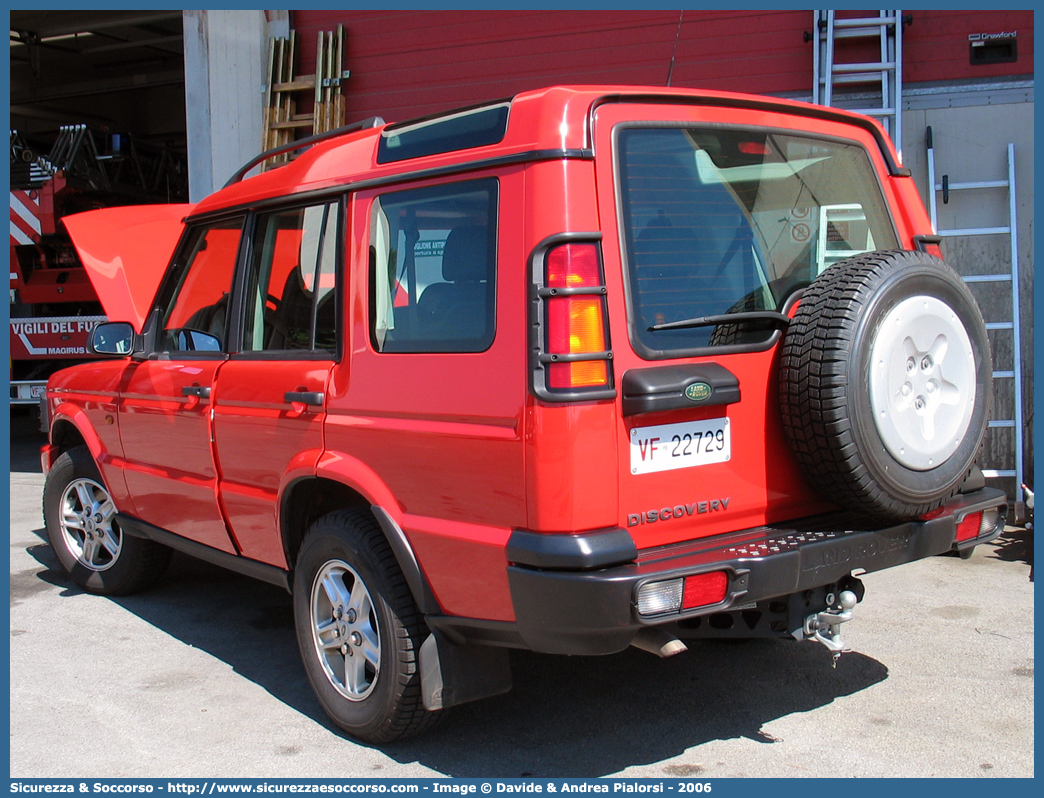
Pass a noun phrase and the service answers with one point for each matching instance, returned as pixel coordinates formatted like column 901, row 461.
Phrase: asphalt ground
column 200, row 677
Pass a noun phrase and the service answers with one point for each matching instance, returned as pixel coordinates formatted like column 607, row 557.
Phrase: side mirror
column 111, row 338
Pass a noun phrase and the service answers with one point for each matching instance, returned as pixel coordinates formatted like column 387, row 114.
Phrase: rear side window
column 290, row 301
column 719, row 221
column 433, row 268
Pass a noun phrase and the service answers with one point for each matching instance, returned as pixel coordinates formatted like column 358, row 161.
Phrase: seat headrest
column 466, row 255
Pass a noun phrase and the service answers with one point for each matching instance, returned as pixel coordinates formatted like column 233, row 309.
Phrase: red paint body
column 455, row 447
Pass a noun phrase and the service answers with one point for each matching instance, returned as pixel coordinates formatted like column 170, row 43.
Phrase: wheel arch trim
column 360, row 478
column 68, row 413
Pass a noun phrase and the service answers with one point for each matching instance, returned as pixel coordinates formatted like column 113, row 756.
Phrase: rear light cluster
column 571, row 343
column 682, row 593
column 976, row 525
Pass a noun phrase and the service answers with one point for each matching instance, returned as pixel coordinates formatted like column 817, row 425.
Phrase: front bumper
column 573, row 611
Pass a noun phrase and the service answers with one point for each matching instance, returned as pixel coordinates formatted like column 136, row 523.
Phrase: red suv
column 582, row 369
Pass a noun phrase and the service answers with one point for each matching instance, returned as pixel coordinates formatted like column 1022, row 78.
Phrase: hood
column 126, row 251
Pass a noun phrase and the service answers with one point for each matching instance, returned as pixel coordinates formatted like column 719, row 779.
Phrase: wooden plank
column 327, row 87
column 290, row 105
column 300, row 83
column 294, row 124
column 277, row 111
column 319, row 71
column 267, row 113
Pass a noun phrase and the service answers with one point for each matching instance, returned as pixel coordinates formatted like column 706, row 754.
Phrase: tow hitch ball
column 825, row 627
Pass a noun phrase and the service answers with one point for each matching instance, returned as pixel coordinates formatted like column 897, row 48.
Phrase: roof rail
column 373, row 121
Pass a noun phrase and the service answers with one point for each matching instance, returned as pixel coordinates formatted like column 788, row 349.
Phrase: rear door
column 270, row 396
column 708, row 213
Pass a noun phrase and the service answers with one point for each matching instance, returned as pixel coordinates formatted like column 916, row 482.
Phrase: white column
column 225, row 53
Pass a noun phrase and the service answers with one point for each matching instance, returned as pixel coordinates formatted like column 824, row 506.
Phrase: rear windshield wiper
column 724, row 318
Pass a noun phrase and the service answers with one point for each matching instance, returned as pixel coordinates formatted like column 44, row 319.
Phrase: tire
column 80, row 519
column 741, row 332
column 885, row 383
column 359, row 630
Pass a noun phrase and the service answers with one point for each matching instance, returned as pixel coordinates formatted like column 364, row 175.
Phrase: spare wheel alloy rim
column 345, row 630
column 87, row 521
column 922, row 382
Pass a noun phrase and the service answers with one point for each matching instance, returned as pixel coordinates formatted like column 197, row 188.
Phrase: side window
column 433, row 268
column 195, row 303
column 290, row 301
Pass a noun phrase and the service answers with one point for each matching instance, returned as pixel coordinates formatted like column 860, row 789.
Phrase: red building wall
column 406, row 64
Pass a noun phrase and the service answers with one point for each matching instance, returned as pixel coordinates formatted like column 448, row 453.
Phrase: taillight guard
column 570, row 354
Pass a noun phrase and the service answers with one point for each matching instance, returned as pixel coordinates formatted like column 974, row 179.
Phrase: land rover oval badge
column 697, row 391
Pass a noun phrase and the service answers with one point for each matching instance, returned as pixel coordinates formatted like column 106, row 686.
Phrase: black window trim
column 648, row 353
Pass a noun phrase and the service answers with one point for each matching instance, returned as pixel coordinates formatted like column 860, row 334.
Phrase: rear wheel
column 359, row 630
column 884, row 383
column 85, row 534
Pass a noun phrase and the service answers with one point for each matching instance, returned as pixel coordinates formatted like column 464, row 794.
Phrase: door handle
column 314, row 398
column 201, row 391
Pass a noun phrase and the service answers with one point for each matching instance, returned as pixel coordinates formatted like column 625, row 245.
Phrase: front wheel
column 85, row 534
column 359, row 630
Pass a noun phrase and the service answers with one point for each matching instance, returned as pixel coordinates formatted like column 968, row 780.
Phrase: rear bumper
column 570, row 610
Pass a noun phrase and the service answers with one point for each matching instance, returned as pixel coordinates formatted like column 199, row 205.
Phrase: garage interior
column 122, row 75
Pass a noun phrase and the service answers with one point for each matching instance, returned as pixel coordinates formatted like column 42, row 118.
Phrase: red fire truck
column 53, row 304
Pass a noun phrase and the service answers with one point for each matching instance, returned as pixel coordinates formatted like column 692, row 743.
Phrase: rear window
column 718, row 221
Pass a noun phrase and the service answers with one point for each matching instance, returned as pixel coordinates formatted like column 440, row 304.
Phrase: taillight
column 572, row 346
column 682, row 593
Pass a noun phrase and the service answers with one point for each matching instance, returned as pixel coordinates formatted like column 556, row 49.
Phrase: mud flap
column 453, row 674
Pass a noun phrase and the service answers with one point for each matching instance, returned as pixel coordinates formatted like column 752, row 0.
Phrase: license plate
column 669, row 446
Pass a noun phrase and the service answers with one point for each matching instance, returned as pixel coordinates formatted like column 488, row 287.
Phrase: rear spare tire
column 885, row 383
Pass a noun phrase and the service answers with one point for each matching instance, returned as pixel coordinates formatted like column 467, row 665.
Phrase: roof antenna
column 670, row 71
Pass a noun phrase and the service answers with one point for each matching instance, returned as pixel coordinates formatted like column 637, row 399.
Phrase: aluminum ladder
column 945, row 186
column 830, row 71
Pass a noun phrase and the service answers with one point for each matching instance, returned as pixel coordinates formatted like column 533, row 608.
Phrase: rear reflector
column 704, row 589
column 969, row 526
